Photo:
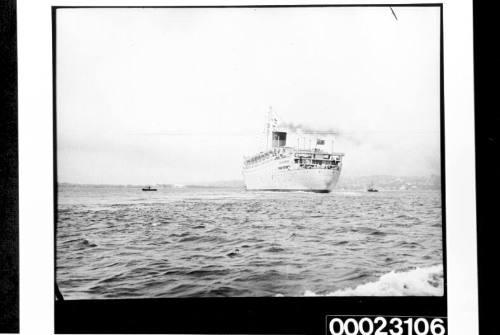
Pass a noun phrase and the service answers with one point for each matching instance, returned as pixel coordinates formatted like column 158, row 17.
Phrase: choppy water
column 118, row 242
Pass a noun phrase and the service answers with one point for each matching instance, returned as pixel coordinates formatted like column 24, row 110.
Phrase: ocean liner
column 302, row 164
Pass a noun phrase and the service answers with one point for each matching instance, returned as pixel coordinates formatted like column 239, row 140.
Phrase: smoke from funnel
column 304, row 129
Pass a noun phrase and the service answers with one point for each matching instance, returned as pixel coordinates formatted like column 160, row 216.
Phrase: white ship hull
column 269, row 177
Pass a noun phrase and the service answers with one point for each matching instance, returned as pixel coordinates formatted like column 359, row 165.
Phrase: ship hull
column 268, row 177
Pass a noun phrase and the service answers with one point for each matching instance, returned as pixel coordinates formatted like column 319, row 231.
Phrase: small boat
column 371, row 188
column 149, row 188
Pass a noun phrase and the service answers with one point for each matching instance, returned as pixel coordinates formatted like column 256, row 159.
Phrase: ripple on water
column 118, row 243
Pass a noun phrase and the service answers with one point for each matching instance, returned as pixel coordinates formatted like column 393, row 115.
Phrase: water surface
column 121, row 242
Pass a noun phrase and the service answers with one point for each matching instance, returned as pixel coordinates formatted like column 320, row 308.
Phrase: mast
column 270, row 125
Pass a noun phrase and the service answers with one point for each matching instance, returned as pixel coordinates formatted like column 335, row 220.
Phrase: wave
column 426, row 281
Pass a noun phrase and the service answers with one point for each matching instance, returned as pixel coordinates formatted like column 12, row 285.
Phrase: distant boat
column 371, row 188
column 149, row 188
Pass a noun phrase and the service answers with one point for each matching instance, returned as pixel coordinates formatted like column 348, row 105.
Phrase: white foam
column 426, row 281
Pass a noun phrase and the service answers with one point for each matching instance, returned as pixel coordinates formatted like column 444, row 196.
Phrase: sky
column 147, row 96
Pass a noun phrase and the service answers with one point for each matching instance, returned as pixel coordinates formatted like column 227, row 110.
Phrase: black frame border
column 252, row 315
column 487, row 142
column 9, row 171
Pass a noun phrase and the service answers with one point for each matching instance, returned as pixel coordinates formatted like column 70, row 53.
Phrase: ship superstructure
column 292, row 161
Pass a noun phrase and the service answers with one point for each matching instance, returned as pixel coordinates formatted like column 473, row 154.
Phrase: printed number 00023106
column 386, row 326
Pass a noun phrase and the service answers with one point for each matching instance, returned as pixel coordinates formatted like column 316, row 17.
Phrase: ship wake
column 425, row 281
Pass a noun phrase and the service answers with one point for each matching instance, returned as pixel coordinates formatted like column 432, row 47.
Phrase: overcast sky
column 148, row 96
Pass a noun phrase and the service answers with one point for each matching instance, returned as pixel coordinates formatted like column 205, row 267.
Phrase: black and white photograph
column 248, row 152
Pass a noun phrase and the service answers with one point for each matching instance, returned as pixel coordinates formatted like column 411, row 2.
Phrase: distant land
column 432, row 182
column 382, row 182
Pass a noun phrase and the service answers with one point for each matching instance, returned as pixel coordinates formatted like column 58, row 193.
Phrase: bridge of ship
column 304, row 158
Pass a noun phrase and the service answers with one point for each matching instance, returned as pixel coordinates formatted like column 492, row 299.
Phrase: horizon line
column 213, row 183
